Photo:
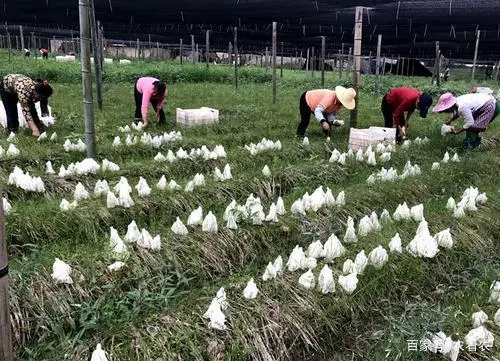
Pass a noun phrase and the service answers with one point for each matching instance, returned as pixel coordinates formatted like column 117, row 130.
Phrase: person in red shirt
column 399, row 101
column 44, row 52
column 324, row 104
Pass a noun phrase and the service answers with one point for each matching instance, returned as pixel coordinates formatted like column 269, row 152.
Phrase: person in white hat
column 324, row 104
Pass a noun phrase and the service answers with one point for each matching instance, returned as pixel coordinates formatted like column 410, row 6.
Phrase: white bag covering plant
column 458, row 212
column 305, row 141
column 214, row 312
column 199, row 180
column 423, row 244
column 272, row 215
column 48, row 168
column 309, row 263
column 410, row 170
column 147, row 241
column 159, row 158
column 406, row 144
column 227, row 172
column 378, row 257
column 368, row 151
column 444, row 239
column 385, row 157
column 218, row 175
column 61, row 272
column 365, row 226
column 348, row 267
column 435, row 166
column 296, row 259
column 266, row 172
column 2, row 152
column 329, row 199
column 222, row 299
column 53, row 137
column 25, row 181
column 101, row 188
column 440, row 343
column 342, row 159
column 116, row 266
column 335, row 156
column 402, row 212
column 143, row 188
column 446, row 158
column 280, row 207
column 371, row 159
column 380, row 148
column 189, row 187
column 12, row 151
column 455, row 158
column 479, row 336
column 360, row 262
column 251, row 291
column 263, row 145
column 395, row 244
column 196, row 217
column 80, row 192
column 7, row 207
column 496, row 318
column 162, row 183
column 350, row 233
column 340, row 201
column 231, row 222
column 315, row 250
column 125, row 129
column 117, row 142
column 327, row 140
column 78, row 146
column 469, row 199
column 179, row 228
column 451, row 205
column 11, row 137
column 170, row 156
column 446, row 129
column 417, row 213
column 278, row 265
column 67, row 206
column 307, row 280
column 133, row 234
column 172, row 185
column 385, row 217
column 332, row 248
column 209, row 223
column 495, row 292
column 111, row 200
column 350, row 153
column 375, row 222
column 479, row 318
column 107, row 165
column 349, row 282
column 99, row 354
column 326, row 284
column 118, row 246
column 359, row 155
column 269, row 273
column 298, row 208
column 481, row 199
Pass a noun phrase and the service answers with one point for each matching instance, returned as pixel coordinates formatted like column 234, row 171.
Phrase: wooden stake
column 281, row 66
column 21, row 35
column 313, row 61
column 138, row 49
column 307, row 60
column 5, row 328
column 267, row 58
column 235, row 57
column 478, row 34
column 379, row 48
column 192, row 49
column 436, row 65
column 157, row 50
column 97, row 54
column 323, row 46
column 358, row 33
column 180, row 50
column 274, row 60
column 207, row 47
column 84, row 10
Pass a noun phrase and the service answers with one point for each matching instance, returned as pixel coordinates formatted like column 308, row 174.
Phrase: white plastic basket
column 201, row 116
column 362, row 138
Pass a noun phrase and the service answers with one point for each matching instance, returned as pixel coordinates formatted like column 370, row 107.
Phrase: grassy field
column 152, row 309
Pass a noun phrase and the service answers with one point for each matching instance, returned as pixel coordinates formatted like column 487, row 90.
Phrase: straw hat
column 346, row 96
column 446, row 101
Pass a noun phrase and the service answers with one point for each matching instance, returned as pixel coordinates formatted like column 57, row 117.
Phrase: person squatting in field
column 44, row 52
column 149, row 90
column 16, row 88
column 324, row 104
column 400, row 100
column 478, row 111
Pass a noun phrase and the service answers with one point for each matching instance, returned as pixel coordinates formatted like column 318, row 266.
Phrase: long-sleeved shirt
column 469, row 103
column 323, row 101
column 146, row 88
column 402, row 100
column 24, row 88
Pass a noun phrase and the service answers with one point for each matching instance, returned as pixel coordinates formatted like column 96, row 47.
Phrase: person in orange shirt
column 324, row 104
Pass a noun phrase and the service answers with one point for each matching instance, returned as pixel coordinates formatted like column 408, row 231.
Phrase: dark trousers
column 10, row 104
column 305, row 116
column 138, row 105
column 45, row 55
column 387, row 112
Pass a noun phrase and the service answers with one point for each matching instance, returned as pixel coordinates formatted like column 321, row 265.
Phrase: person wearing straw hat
column 324, row 104
column 478, row 111
column 399, row 101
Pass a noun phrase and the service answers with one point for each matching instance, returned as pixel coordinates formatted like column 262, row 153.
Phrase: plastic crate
column 362, row 138
column 201, row 116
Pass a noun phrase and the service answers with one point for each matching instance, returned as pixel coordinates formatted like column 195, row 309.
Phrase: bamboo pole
column 150, row 47
column 192, row 48
column 323, row 46
column 267, row 58
column 358, row 32
column 308, row 63
column 313, row 61
column 138, row 49
column 235, row 57
column 274, row 60
column 436, row 65
column 5, row 328
column 281, row 66
column 97, row 54
column 21, row 35
column 496, row 71
column 475, row 56
column 379, row 48
column 207, row 40
column 157, row 50
column 180, row 50
column 84, row 10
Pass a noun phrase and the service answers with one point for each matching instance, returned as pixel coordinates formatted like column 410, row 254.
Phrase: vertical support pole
column 207, row 47
column 33, row 45
column 84, row 10
column 97, row 54
column 21, row 35
column 150, row 47
column 341, row 64
column 157, row 50
column 230, row 54
column 496, row 71
column 9, row 44
column 436, row 65
column 197, row 52
column 379, row 48
column 192, row 48
column 358, row 33
column 308, row 63
column 274, row 60
column 180, row 50
column 281, row 66
column 5, row 329
column 17, row 43
column 323, row 46
column 475, row 56
column 313, row 61
column 236, row 57
column 267, row 58
column 138, row 49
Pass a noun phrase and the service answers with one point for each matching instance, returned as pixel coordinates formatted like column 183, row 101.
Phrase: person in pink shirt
column 149, row 90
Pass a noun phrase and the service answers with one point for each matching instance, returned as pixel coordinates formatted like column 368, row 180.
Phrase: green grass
column 170, row 289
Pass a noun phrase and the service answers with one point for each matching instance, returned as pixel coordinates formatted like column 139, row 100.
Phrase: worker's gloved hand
column 326, row 127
